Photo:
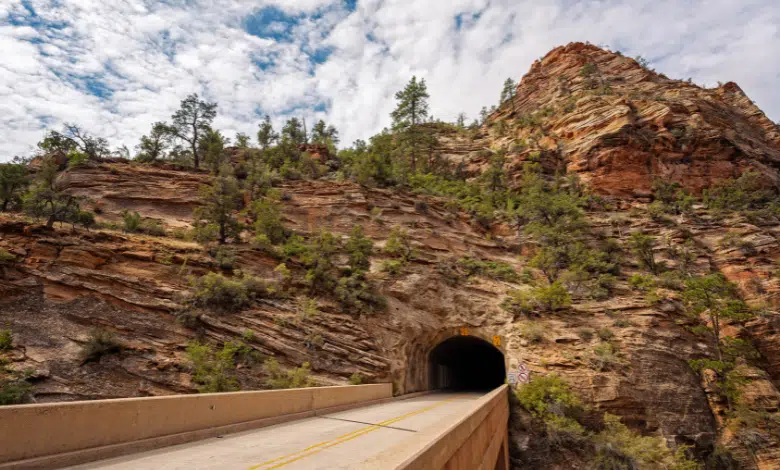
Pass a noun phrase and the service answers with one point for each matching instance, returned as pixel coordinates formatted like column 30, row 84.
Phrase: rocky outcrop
column 616, row 124
column 619, row 125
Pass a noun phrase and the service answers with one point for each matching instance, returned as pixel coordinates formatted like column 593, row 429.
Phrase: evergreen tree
column 508, row 93
column 154, row 146
column 242, row 141
column 211, row 147
column 483, row 115
column 191, row 122
column 323, row 134
column 13, row 180
column 266, row 134
column 293, row 132
column 47, row 198
column 411, row 111
column 218, row 202
column 74, row 138
column 359, row 249
column 555, row 220
column 461, row 122
column 718, row 297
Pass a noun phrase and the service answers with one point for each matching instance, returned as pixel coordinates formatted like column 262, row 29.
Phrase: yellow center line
column 313, row 449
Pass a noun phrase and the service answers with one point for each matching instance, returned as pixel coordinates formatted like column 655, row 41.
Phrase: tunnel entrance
column 466, row 363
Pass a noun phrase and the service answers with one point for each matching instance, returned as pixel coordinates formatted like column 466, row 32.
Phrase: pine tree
column 411, row 111
column 211, row 147
column 47, row 198
column 154, row 146
column 13, row 180
column 718, row 298
column 461, row 122
column 75, row 138
column 323, row 134
column 242, row 140
column 266, row 134
column 218, row 202
column 294, row 132
column 508, row 93
column 192, row 121
column 483, row 115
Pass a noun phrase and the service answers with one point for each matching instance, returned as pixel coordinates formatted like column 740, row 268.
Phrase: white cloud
column 148, row 55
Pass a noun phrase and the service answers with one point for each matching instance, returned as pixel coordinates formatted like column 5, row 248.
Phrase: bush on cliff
column 280, row 378
column 214, row 371
column 221, row 294
column 612, row 445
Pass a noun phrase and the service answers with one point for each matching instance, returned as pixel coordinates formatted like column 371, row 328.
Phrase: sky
column 116, row 66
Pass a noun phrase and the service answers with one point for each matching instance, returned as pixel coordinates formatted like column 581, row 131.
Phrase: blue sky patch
column 271, row 23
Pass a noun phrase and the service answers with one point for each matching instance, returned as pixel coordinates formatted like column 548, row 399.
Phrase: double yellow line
column 313, row 449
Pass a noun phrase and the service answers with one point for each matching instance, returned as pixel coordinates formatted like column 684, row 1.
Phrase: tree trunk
column 5, row 205
column 50, row 222
column 195, row 160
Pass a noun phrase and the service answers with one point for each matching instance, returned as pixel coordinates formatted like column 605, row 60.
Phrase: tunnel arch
column 465, row 363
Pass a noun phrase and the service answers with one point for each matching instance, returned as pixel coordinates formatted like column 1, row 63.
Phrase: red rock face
column 620, row 126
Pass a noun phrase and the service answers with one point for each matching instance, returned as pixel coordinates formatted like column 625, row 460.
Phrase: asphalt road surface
column 335, row 441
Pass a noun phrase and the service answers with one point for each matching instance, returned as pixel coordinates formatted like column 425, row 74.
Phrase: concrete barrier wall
column 476, row 441
column 34, row 431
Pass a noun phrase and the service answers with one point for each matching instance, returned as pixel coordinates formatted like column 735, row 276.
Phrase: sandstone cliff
column 617, row 125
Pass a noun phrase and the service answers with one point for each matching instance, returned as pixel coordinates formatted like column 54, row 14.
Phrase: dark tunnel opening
column 466, row 363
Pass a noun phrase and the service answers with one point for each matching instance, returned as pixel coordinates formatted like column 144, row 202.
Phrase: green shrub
column 605, row 334
column 547, row 298
column 223, row 294
column 618, row 447
column 6, row 340
column 641, row 282
column 214, row 371
column 132, row 221
column 551, row 400
column 6, row 257
column 306, row 308
column 268, row 220
column 99, row 343
column 548, row 395
column 392, row 266
column 224, row 256
column 552, row 297
column 585, row 333
column 533, row 332
column 203, row 232
column 643, row 247
column 356, row 294
column 739, row 194
column 604, row 357
column 399, row 244
column 77, row 159
column 359, row 248
column 356, row 379
column 320, row 274
column 489, row 269
column 671, row 280
column 279, row 378
column 153, row 227
column 670, row 198
column 85, row 218
column 14, row 387
column 295, row 246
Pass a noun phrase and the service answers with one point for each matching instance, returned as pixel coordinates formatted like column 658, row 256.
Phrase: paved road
column 336, row 441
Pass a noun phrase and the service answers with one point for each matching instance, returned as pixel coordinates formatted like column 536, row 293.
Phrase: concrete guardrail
column 61, row 434
column 476, row 441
